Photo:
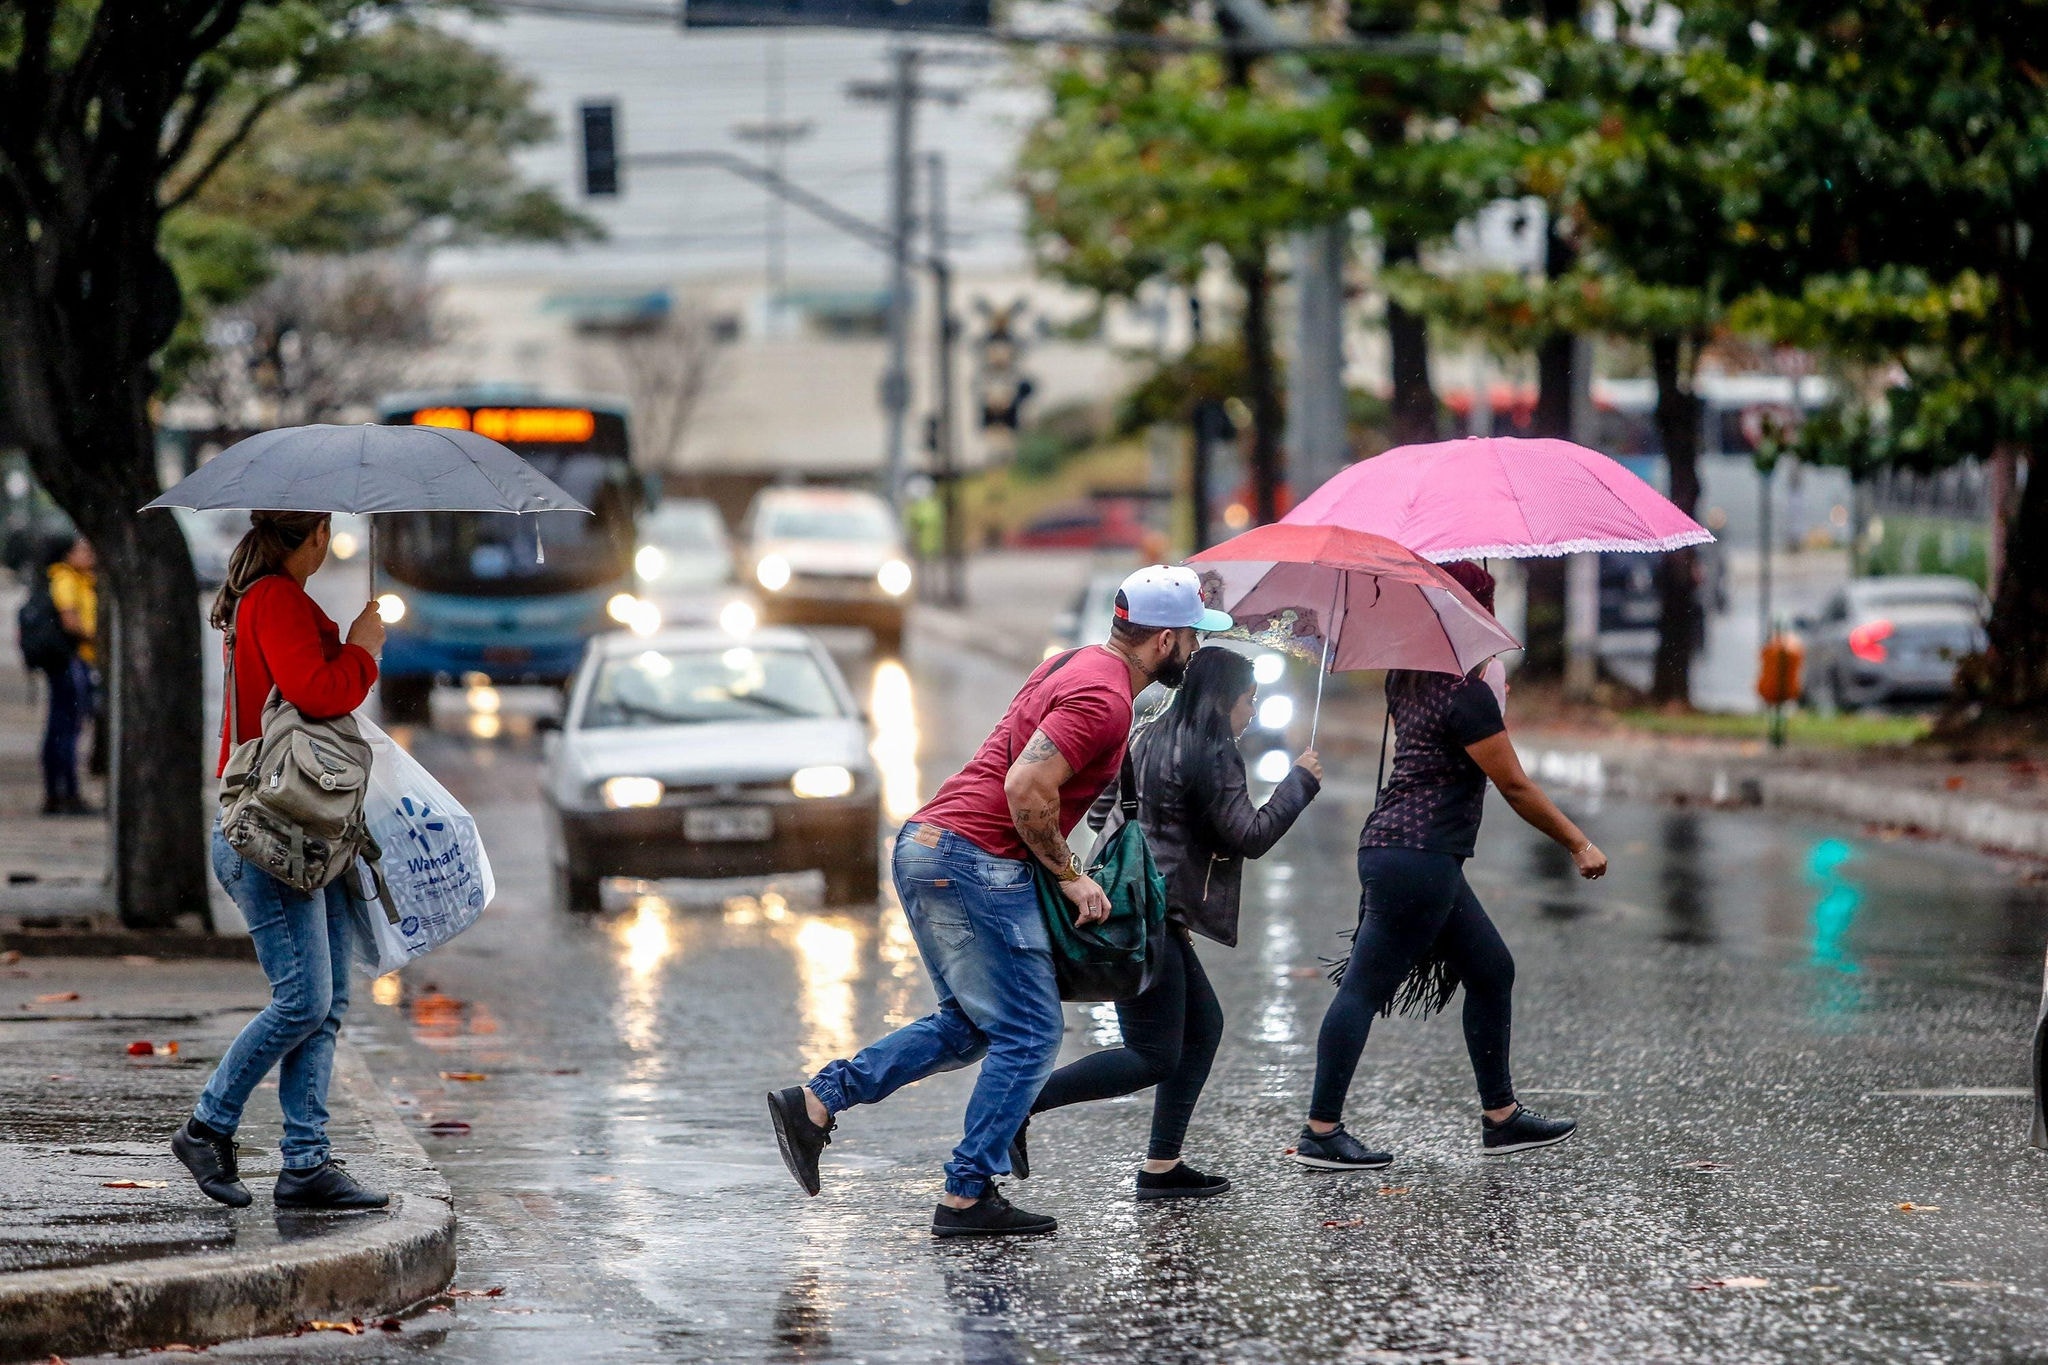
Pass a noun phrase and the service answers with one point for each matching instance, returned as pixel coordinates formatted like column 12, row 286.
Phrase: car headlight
column 738, row 617
column 1276, row 713
column 772, row 573
column 1268, row 668
column 1272, row 765
column 893, row 577
column 623, row 608
column 391, row 608
column 342, row 545
column 648, row 562
column 623, row 793
column 830, row 780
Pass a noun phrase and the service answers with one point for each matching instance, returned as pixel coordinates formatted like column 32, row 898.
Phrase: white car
column 829, row 557
column 684, row 563
column 700, row 753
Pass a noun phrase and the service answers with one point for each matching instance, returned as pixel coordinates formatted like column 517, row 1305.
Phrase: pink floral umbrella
column 1499, row 497
column 1348, row 598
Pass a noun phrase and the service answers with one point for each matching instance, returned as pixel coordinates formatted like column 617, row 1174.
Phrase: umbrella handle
column 1330, row 625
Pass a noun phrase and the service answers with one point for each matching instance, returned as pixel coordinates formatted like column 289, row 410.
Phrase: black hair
column 1199, row 718
column 1126, row 631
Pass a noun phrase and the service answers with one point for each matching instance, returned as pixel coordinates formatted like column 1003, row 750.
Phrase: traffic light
column 600, row 149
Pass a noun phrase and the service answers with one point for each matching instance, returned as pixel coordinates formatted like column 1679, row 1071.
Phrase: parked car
column 1103, row 524
column 690, row 754
column 684, row 563
column 1881, row 640
column 1087, row 623
column 829, row 557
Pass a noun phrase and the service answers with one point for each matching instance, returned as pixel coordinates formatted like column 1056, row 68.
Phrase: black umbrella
column 369, row 468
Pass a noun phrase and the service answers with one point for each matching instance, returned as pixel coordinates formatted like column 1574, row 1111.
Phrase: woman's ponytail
column 263, row 549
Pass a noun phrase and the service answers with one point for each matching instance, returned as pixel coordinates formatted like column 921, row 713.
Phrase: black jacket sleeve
column 1249, row 831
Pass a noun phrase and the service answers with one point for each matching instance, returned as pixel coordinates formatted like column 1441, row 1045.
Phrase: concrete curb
column 961, row 631
column 381, row 1263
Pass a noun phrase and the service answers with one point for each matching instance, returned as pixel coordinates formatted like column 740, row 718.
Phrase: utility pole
column 896, row 380
column 775, row 133
column 946, row 471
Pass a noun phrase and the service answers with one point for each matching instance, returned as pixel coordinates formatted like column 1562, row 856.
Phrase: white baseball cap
column 1164, row 596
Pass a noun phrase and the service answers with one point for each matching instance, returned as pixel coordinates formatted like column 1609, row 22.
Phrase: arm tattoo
column 1039, row 827
column 1039, row 749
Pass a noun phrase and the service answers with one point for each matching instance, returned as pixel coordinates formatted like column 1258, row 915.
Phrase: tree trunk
column 2016, row 663
column 1262, row 377
column 80, row 314
column 1543, row 629
column 1414, row 405
column 1679, row 619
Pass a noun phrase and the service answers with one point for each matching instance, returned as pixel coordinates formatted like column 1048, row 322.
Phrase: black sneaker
column 210, row 1156
column 1336, row 1150
column 1182, row 1182
column 326, row 1186
column 800, row 1140
column 1020, row 1154
column 1523, row 1131
column 990, row 1216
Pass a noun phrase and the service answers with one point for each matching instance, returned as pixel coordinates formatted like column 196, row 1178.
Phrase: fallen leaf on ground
column 135, row 1184
column 63, row 1078
column 56, row 997
column 1954, row 782
column 464, row 1076
column 1919, row 1208
column 140, row 1048
column 496, row 1291
column 177, row 1348
column 354, row 1326
column 56, row 1360
column 448, row 1127
column 1390, row 1190
column 10, row 957
column 1343, row 1222
column 1732, row 1282
column 567, row 1071
column 390, row 1325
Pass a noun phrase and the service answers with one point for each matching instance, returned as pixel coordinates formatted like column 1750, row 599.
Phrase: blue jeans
column 983, row 940
column 70, row 708
column 302, row 940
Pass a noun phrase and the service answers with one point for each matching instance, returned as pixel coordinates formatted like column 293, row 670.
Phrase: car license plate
column 728, row 824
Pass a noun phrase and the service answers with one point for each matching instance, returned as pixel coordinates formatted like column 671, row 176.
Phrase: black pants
column 1413, row 904
column 1170, row 1037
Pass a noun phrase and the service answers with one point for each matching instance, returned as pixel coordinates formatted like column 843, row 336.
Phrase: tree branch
column 229, row 145
column 199, row 104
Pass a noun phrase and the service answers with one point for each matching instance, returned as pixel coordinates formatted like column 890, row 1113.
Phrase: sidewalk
column 89, row 1263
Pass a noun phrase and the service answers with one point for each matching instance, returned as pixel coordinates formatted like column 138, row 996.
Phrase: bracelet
column 1582, row 848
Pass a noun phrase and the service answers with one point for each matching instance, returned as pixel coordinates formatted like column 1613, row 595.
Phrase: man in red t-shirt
column 962, row 869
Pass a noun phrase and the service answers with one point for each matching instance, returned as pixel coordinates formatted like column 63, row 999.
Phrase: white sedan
column 700, row 753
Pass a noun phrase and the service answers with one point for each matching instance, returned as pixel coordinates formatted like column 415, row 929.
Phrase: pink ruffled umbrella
column 1285, row 585
column 1499, row 497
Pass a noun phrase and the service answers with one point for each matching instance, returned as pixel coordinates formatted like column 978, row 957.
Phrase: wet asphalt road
column 1774, row 1032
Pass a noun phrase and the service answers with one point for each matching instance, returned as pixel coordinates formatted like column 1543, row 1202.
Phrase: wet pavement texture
column 1776, row 1034
column 86, row 1173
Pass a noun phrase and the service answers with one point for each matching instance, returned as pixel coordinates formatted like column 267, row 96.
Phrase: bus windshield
column 498, row 554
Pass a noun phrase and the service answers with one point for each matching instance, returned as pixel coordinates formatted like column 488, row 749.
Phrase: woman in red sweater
column 282, row 639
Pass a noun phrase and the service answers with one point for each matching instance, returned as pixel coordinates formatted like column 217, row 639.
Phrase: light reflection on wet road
column 1734, row 1014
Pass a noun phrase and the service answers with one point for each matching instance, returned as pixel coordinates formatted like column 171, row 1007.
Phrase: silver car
column 1882, row 640
column 702, row 753
column 684, row 565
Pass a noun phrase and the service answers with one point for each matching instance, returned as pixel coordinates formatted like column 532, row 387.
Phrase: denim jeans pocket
column 1002, row 874
column 228, row 865
column 938, row 904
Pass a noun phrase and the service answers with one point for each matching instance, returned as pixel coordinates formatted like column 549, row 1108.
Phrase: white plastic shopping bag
column 434, row 866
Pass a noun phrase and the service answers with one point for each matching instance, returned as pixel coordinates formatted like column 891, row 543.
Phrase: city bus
column 509, row 598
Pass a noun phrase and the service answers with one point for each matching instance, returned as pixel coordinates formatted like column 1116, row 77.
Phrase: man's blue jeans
column 302, row 940
column 983, row 940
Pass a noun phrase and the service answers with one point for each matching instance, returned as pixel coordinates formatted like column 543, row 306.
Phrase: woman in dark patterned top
column 1421, row 931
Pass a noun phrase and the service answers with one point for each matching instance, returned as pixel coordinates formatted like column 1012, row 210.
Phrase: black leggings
column 1413, row 904
column 1170, row 1037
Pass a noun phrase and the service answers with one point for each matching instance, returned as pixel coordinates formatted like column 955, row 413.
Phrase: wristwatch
column 1072, row 871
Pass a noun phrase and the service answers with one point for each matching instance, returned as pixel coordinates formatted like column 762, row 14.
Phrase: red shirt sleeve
column 1084, row 724
column 302, row 649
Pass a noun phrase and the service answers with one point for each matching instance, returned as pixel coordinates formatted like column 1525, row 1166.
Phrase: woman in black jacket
column 1199, row 819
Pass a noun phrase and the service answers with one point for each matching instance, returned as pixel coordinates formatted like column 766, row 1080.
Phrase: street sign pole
column 945, row 422
column 896, row 380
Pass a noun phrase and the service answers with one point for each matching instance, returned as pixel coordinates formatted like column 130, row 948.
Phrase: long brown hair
column 263, row 549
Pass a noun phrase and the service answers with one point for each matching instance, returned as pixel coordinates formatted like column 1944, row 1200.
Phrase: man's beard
column 1171, row 673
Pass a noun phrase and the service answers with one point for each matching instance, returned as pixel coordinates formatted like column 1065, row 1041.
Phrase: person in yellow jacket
column 74, row 589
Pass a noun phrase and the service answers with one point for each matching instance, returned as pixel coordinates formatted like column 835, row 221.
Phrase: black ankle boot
column 326, row 1186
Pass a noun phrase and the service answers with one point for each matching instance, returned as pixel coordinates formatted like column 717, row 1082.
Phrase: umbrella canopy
column 1284, row 585
column 369, row 468
column 1500, row 497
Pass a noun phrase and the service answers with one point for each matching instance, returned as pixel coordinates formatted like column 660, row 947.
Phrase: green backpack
column 1120, row 956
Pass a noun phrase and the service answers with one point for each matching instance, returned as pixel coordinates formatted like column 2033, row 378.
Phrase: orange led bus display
column 519, row 426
